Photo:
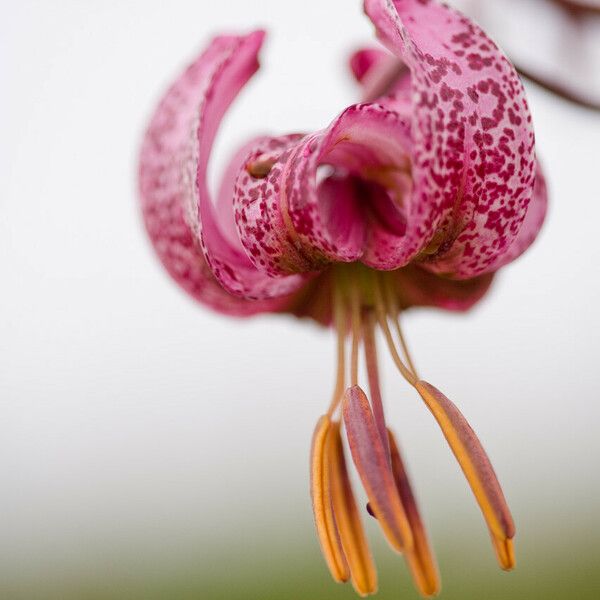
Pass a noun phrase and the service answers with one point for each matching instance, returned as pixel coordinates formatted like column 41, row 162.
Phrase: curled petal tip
column 474, row 462
column 371, row 460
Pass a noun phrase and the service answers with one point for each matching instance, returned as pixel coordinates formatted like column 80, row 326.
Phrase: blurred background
column 150, row 449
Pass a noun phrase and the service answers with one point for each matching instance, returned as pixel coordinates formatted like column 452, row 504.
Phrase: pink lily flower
column 414, row 197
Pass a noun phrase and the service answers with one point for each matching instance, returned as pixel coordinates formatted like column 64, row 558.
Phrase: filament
column 356, row 332
column 394, row 312
column 339, row 315
column 373, row 374
column 383, row 323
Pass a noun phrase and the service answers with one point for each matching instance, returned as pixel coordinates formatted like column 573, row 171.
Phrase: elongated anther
column 505, row 553
column 421, row 560
column 373, row 375
column 320, row 491
column 372, row 464
column 347, row 518
column 477, row 469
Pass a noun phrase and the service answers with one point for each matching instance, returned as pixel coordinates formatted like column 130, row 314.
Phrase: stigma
column 364, row 302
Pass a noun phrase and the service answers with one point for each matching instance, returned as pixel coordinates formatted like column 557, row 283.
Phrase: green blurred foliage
column 549, row 568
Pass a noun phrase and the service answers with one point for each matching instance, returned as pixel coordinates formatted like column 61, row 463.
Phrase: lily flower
column 414, row 197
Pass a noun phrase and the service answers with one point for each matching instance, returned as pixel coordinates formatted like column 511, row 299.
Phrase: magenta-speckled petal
column 224, row 207
column 415, row 286
column 366, row 141
column 534, row 219
column 473, row 161
column 222, row 80
column 364, row 60
column 384, row 79
column 287, row 219
column 341, row 213
column 164, row 192
column 261, row 225
column 175, row 156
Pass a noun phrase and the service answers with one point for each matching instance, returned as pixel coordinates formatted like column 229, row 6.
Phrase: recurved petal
column 321, row 494
column 350, row 528
column 286, row 223
column 369, row 456
column 175, row 156
column 414, row 286
column 263, row 220
column 231, row 266
column 380, row 75
column 163, row 195
column 224, row 206
column 534, row 219
column 421, row 560
column 476, row 466
column 367, row 141
column 363, row 61
column 473, row 160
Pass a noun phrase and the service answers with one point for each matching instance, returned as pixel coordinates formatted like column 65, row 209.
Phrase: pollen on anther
column 260, row 167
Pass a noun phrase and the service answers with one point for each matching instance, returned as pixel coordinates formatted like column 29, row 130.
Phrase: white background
column 132, row 418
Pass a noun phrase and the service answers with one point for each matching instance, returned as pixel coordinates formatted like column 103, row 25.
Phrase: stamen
column 421, row 560
column 320, row 488
column 394, row 311
column 340, row 319
column 373, row 374
column 260, row 167
column 351, row 532
column 356, row 332
column 477, row 469
column 505, row 553
column 373, row 466
column 383, row 323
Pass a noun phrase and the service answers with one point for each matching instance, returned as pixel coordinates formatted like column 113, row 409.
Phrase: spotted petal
column 363, row 62
column 289, row 221
column 473, row 159
column 534, row 219
column 173, row 170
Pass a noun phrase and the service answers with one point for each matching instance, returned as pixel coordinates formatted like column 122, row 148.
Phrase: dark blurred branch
column 578, row 8
column 560, row 90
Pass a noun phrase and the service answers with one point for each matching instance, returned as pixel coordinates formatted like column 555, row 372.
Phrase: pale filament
column 380, row 308
column 356, row 332
column 370, row 347
column 340, row 319
column 394, row 312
